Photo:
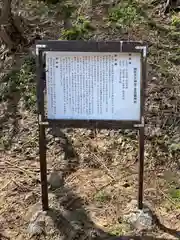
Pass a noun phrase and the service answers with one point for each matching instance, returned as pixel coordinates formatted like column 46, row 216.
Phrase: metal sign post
column 43, row 166
column 141, row 135
column 42, row 128
column 141, row 167
column 90, row 85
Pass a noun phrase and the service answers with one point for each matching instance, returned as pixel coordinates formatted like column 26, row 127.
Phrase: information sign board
column 90, row 84
column 93, row 86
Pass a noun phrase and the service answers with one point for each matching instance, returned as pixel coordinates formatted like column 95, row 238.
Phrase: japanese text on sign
column 93, row 86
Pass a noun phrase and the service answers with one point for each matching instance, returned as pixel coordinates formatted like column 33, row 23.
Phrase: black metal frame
column 89, row 46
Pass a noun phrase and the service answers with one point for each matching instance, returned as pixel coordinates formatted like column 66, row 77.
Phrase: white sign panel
column 93, row 86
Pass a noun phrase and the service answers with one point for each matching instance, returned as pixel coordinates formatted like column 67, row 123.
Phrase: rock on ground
column 37, row 224
column 55, row 180
column 139, row 219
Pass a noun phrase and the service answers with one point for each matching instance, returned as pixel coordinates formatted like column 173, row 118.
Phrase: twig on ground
column 100, row 161
column 166, row 196
column 28, row 173
column 5, row 186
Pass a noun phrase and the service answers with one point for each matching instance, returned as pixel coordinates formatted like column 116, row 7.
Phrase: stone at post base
column 55, row 180
column 40, row 223
column 140, row 220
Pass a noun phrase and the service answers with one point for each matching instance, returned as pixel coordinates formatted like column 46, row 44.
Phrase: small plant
column 79, row 31
column 117, row 231
column 102, row 197
column 124, row 15
column 27, row 83
column 175, row 194
column 176, row 21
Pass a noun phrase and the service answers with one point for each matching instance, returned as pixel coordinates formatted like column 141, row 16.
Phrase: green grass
column 175, row 194
column 176, row 21
column 124, row 15
column 27, row 83
column 119, row 229
column 80, row 30
column 102, row 197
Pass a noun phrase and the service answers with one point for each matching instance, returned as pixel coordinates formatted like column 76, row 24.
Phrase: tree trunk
column 11, row 30
column 172, row 4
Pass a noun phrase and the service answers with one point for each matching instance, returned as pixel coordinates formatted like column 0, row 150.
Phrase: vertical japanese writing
column 54, row 86
column 135, row 85
column 51, row 85
column 92, row 85
column 123, row 77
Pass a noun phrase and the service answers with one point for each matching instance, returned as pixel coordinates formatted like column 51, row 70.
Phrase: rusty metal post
column 42, row 129
column 141, row 130
column 43, row 167
column 141, row 168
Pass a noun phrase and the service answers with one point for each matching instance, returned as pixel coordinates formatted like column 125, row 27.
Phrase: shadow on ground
column 11, row 94
column 16, row 90
column 72, row 220
column 65, row 142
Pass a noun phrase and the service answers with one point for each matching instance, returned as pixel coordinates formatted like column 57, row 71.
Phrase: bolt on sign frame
column 79, row 48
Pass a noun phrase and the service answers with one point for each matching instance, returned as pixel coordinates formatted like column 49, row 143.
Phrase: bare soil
column 100, row 168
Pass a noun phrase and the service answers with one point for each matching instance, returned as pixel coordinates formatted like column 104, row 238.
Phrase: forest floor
column 100, row 168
